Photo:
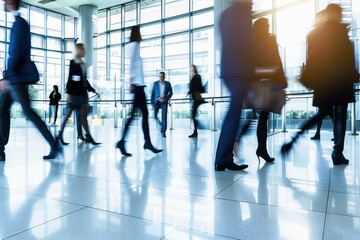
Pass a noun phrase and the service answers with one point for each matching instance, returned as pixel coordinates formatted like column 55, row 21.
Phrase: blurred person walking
column 160, row 96
column 77, row 88
column 137, row 87
column 54, row 97
column 237, row 70
column 195, row 90
column 21, row 72
column 330, row 71
column 266, row 56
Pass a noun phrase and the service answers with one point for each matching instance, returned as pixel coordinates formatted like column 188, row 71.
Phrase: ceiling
column 70, row 7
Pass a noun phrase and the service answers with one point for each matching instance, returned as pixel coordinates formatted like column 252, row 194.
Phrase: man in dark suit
column 160, row 96
column 21, row 72
column 236, row 70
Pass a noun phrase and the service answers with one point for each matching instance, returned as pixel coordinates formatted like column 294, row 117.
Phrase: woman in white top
column 137, row 87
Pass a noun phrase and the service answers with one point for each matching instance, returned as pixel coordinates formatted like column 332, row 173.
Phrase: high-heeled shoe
column 81, row 137
column 194, row 134
column 89, row 139
column 60, row 138
column 149, row 146
column 121, row 145
column 262, row 152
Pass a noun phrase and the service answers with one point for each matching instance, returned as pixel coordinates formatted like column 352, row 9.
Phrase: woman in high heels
column 77, row 89
column 137, row 87
column 266, row 54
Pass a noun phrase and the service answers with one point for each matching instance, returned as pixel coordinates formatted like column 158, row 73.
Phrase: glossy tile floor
column 95, row 193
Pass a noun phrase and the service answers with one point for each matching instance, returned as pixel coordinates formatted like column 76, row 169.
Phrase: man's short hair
column 162, row 73
column 17, row 4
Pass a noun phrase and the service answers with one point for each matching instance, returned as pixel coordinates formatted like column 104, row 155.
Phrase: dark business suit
column 155, row 95
column 20, row 72
column 236, row 70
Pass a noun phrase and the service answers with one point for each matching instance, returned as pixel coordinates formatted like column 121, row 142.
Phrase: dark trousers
column 262, row 129
column 238, row 88
column 5, row 105
column 340, row 113
column 194, row 109
column 19, row 93
column 78, row 122
column 163, row 122
column 139, row 102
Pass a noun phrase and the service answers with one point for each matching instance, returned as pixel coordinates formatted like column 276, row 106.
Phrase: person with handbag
column 195, row 90
column 268, row 65
column 77, row 88
column 137, row 87
column 21, row 72
column 330, row 71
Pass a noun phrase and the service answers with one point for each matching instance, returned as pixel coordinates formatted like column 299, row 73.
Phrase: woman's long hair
column 135, row 35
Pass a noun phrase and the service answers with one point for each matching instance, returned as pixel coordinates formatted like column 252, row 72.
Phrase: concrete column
column 86, row 30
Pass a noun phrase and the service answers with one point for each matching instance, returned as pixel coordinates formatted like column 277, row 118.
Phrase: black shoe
column 89, row 139
column 150, row 147
column 81, row 137
column 262, row 152
column 315, row 137
column 338, row 159
column 121, row 145
column 55, row 151
column 163, row 135
column 60, row 138
column 2, row 157
column 286, row 147
column 194, row 135
column 333, row 139
column 230, row 166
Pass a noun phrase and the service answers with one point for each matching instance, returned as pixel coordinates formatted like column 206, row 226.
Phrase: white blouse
column 136, row 64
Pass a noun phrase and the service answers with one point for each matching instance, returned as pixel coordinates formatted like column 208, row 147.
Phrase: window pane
column 53, row 71
column 177, row 25
column 177, row 61
column 115, row 63
column 203, row 19
column 115, row 18
column 149, row 31
column 203, row 55
column 150, row 10
column 261, row 5
column 101, row 40
column 69, row 45
column 130, row 14
column 54, row 44
column 151, row 55
column 54, row 24
column 201, row 4
column 2, row 55
column 38, row 57
column 101, row 64
column 176, row 7
column 69, row 27
column 37, row 41
column 101, row 22
column 115, row 37
column 37, row 20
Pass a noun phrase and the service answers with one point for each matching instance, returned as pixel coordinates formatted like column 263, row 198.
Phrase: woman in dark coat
column 330, row 72
column 195, row 90
column 54, row 97
column 266, row 54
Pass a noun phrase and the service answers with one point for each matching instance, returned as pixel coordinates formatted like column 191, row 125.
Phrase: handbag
column 263, row 96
